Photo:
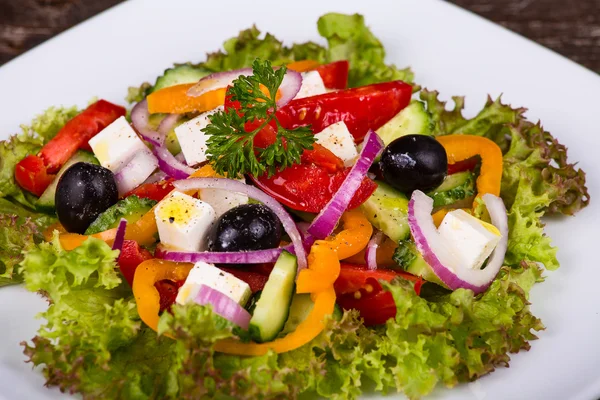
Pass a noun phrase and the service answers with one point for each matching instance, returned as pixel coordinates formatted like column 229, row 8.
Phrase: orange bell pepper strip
column 462, row 147
column 175, row 100
column 355, row 236
column 143, row 231
column 303, row 65
column 146, row 296
column 324, row 303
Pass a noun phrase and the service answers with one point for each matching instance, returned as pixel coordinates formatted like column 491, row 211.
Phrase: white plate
column 449, row 49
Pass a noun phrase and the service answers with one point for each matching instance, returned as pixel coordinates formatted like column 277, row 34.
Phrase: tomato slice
column 362, row 108
column 131, row 256
column 335, row 74
column 309, row 187
column 358, row 288
column 155, row 191
column 32, row 175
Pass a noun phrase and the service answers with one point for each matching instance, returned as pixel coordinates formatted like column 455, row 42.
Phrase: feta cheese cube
column 338, row 139
column 191, row 138
column 469, row 239
column 184, row 222
column 209, row 275
column 116, row 145
column 312, row 85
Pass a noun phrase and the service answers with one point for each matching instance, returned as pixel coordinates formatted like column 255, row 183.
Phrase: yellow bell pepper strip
column 355, row 236
column 303, row 65
column 325, row 254
column 323, row 269
column 304, row 333
column 146, row 296
column 142, row 231
column 175, row 100
column 462, row 147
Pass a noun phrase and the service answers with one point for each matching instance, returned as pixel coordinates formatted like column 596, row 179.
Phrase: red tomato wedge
column 32, row 175
column 362, row 108
column 155, row 191
column 335, row 74
column 309, row 187
column 358, row 288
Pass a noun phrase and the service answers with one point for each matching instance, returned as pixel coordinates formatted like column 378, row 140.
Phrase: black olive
column 414, row 162
column 83, row 192
column 246, row 227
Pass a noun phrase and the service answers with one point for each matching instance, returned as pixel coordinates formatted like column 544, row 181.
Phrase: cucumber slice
column 273, row 307
column 178, row 75
column 387, row 210
column 454, row 188
column 46, row 201
column 301, row 306
column 413, row 120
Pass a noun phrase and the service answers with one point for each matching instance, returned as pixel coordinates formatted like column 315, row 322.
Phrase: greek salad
column 277, row 221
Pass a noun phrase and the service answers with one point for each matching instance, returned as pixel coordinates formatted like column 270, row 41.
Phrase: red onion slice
column 217, row 80
column 120, row 235
column 441, row 259
column 371, row 252
column 170, row 165
column 223, row 305
column 136, row 171
column 289, row 88
column 238, row 257
column 140, row 118
column 324, row 224
column 167, row 124
column 236, row 186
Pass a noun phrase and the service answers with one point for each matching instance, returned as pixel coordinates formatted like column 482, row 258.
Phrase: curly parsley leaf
column 231, row 143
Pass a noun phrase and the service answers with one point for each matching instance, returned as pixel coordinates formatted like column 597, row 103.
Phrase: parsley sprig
column 230, row 148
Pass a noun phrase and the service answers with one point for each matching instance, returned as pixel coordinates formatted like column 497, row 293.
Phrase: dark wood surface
column 570, row 27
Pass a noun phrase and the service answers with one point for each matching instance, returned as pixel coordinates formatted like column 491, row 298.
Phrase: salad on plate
column 277, row 221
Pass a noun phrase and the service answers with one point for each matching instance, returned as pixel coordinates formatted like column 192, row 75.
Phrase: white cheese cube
column 141, row 166
column 469, row 239
column 312, row 85
column 184, row 222
column 223, row 200
column 191, row 138
column 116, row 145
column 338, row 139
column 209, row 275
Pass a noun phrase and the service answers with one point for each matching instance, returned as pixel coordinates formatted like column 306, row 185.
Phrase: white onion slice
column 223, row 305
column 134, row 173
column 441, row 259
column 236, row 186
column 218, row 80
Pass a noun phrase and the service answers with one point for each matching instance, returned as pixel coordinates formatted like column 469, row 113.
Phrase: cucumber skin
column 261, row 328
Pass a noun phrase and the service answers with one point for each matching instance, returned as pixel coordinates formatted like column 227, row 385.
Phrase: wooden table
column 571, row 28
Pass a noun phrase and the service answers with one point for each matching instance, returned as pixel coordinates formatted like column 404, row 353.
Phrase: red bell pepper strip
column 335, row 74
column 36, row 172
column 362, row 108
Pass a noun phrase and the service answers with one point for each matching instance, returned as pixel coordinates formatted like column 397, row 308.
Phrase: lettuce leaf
column 17, row 235
column 350, row 39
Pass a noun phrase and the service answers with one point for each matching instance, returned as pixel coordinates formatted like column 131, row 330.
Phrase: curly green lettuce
column 348, row 38
column 536, row 179
column 93, row 342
